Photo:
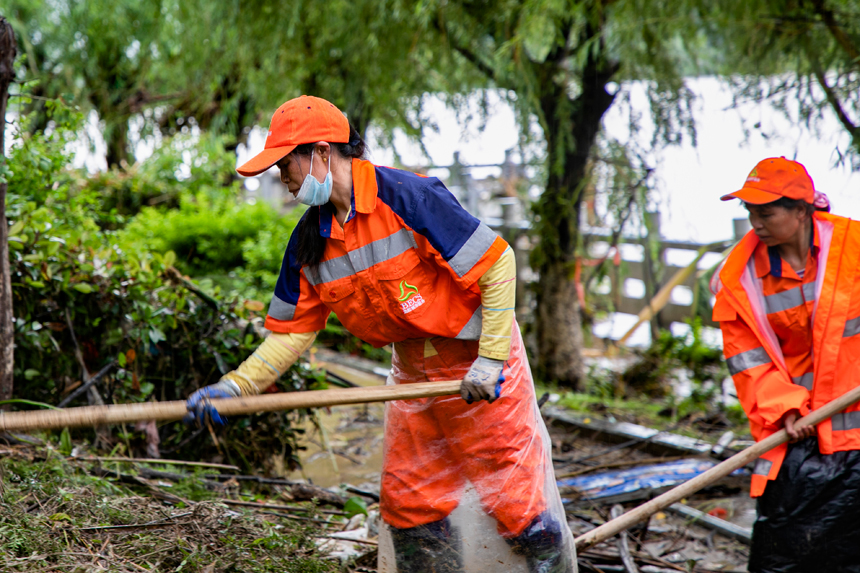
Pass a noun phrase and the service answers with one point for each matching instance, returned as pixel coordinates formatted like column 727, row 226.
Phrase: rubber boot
column 544, row 546
column 432, row 548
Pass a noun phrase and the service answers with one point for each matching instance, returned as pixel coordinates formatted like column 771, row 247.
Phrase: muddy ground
column 349, row 450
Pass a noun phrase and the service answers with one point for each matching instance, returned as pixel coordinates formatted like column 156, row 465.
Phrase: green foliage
column 183, row 169
column 803, row 58
column 703, row 364
column 165, row 66
column 76, row 284
column 355, row 506
column 211, row 237
column 99, row 54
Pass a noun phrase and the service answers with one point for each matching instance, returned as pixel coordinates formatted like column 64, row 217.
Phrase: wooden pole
column 166, row 411
column 8, row 51
column 739, row 460
column 663, row 296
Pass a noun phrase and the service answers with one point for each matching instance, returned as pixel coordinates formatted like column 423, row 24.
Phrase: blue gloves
column 484, row 380
column 200, row 409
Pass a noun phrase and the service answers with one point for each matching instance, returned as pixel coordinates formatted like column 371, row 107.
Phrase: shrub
column 76, row 286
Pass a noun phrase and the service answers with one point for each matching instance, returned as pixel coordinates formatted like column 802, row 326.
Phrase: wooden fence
column 680, row 308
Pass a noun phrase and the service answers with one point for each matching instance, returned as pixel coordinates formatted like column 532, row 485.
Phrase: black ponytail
column 311, row 245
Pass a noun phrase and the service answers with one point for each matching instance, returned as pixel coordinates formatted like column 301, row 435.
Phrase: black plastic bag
column 809, row 516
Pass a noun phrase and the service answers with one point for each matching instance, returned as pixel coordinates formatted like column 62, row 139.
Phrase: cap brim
column 753, row 196
column 265, row 159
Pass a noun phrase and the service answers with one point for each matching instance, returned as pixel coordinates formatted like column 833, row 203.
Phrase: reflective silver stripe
column 846, row 421
column 472, row 330
column 472, row 250
column 281, row 310
column 363, row 258
column 852, row 327
column 382, row 250
column 762, row 467
column 330, row 270
column 747, row 360
column 790, row 298
column 805, row 380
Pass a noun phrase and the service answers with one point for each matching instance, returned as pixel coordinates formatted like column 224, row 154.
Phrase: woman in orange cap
column 401, row 262
column 788, row 303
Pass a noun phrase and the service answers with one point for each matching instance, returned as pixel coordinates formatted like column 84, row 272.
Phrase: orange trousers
column 433, row 446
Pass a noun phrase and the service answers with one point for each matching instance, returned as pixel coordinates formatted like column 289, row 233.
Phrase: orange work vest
column 765, row 386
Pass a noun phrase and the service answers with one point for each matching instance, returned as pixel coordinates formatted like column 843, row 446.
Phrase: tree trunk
column 116, row 137
column 570, row 131
column 558, row 327
column 8, row 51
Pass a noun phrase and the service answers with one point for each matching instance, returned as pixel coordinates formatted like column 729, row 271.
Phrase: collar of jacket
column 364, row 186
column 363, row 200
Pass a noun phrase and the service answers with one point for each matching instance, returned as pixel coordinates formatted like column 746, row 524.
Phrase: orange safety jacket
column 765, row 385
column 404, row 265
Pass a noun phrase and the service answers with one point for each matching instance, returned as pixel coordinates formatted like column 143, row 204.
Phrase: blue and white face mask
column 312, row 192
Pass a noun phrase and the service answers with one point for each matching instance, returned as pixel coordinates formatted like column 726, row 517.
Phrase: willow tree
column 562, row 62
column 362, row 55
column 100, row 55
column 801, row 56
column 171, row 65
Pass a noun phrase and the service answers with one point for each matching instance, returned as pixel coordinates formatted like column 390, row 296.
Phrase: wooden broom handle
column 739, row 460
column 165, row 411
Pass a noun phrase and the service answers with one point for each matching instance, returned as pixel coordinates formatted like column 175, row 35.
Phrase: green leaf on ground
column 354, row 506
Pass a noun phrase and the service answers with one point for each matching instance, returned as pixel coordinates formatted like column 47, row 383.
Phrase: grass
column 661, row 414
column 49, row 507
column 645, row 412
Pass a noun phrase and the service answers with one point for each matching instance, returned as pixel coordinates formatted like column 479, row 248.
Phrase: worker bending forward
column 788, row 303
column 400, row 261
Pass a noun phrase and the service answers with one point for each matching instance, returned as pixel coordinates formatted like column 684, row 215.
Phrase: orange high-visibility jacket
column 764, row 384
column 405, row 264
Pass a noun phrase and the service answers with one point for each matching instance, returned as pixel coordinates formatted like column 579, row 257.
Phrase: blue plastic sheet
column 650, row 477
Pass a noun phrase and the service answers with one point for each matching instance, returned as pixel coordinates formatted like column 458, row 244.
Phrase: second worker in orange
column 788, row 303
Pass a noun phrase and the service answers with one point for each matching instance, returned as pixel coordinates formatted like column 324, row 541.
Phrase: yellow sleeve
column 271, row 359
column 498, row 295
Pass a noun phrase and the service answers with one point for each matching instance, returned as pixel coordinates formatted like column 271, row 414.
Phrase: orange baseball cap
column 305, row 119
column 775, row 178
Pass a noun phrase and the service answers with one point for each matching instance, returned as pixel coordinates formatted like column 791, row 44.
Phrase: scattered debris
column 648, row 439
column 742, row 534
column 56, row 516
column 623, row 544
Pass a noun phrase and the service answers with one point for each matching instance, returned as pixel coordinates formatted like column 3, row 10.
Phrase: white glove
column 483, row 381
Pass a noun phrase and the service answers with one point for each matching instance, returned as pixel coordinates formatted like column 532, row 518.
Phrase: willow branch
column 834, row 102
